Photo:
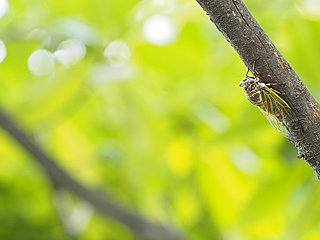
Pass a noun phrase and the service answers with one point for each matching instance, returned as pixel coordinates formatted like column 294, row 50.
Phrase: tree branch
column 143, row 228
column 246, row 36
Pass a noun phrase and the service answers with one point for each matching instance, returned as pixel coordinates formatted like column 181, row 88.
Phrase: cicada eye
column 251, row 80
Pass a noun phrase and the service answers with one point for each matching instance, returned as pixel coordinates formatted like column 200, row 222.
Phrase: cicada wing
column 277, row 99
column 276, row 124
column 273, row 104
column 274, row 108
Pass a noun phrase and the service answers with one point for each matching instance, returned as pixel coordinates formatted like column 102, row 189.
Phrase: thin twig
column 142, row 227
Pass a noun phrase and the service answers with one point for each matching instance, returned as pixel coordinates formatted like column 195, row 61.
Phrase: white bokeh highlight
column 41, row 62
column 75, row 216
column 104, row 73
column 246, row 160
column 3, row 51
column 79, row 218
column 213, row 117
column 309, row 7
column 159, row 30
column 70, row 52
column 4, row 6
column 74, row 28
column 117, row 52
column 41, row 35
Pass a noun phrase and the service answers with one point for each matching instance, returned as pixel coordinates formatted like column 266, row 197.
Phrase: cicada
column 268, row 100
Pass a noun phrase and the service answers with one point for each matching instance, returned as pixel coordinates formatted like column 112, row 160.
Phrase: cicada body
column 268, row 101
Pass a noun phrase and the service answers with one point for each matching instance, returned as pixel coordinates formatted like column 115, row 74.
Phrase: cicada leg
column 276, row 91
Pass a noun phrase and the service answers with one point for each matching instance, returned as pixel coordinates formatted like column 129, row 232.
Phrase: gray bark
column 242, row 31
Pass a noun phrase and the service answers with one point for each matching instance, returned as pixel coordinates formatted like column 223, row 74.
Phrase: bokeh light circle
column 4, row 6
column 70, row 52
column 159, row 30
column 41, row 62
column 117, row 52
column 3, row 51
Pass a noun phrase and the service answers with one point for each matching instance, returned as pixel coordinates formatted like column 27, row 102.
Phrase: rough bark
column 140, row 226
column 242, row 31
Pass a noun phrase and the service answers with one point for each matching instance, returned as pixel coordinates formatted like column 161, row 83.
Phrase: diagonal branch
column 142, row 227
column 242, row 31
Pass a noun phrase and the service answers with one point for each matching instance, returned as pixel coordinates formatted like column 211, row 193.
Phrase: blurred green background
column 141, row 99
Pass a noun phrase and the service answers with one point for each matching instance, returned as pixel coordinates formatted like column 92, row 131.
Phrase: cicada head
column 252, row 88
column 249, row 83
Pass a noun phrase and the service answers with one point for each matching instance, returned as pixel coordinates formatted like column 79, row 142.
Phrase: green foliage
column 155, row 117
